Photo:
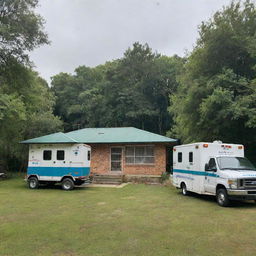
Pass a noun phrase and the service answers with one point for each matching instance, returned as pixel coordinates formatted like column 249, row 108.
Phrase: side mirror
column 207, row 169
column 214, row 169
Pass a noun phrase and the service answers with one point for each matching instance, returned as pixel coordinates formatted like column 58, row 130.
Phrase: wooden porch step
column 107, row 179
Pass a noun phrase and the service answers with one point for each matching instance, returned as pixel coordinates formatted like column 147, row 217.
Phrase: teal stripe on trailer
column 199, row 173
column 59, row 171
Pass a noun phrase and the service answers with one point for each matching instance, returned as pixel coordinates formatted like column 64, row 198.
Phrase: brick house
column 128, row 152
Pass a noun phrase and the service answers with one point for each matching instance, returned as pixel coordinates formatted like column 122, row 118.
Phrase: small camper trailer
column 67, row 164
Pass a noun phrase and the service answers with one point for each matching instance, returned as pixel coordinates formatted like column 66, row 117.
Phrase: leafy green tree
column 26, row 103
column 216, row 99
column 131, row 91
column 76, row 95
column 25, row 113
column 142, row 83
column 21, row 30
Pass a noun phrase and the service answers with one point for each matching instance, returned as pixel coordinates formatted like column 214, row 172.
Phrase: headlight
column 232, row 184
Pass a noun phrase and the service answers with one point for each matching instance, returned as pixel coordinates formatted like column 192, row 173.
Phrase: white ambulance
column 217, row 169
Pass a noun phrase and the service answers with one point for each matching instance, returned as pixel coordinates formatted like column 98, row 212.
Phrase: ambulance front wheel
column 67, row 184
column 222, row 197
column 33, row 183
column 184, row 189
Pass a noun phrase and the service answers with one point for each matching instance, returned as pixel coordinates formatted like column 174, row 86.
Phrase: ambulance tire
column 33, row 183
column 184, row 189
column 67, row 184
column 222, row 197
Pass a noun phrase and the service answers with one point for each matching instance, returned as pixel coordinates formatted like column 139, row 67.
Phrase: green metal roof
column 103, row 135
column 58, row 137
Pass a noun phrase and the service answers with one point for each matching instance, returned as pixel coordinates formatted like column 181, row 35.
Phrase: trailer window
column 60, row 154
column 47, row 155
column 180, row 157
column 190, row 157
column 89, row 155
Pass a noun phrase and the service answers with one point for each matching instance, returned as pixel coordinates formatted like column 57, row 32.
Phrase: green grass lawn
column 134, row 220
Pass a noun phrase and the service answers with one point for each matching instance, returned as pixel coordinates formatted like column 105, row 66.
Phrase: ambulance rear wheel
column 184, row 189
column 222, row 197
column 33, row 183
column 67, row 184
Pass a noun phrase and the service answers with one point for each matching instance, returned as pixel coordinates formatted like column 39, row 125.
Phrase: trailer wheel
column 67, row 184
column 33, row 183
column 222, row 197
column 184, row 189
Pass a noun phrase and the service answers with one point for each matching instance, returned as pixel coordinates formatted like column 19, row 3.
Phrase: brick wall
column 100, row 161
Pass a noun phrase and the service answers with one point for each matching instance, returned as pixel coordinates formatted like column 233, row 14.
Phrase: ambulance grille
column 250, row 183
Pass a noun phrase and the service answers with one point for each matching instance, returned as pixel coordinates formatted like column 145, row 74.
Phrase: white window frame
column 134, row 154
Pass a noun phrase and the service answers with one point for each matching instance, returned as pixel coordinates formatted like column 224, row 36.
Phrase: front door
column 116, row 159
column 210, row 177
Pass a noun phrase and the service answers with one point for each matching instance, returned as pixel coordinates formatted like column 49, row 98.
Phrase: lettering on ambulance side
column 184, row 177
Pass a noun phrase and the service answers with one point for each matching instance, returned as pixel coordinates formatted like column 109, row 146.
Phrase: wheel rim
column 221, row 198
column 184, row 190
column 32, row 183
column 66, row 185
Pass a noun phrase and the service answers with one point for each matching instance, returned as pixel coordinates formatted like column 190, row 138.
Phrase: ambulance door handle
column 64, row 162
column 54, row 162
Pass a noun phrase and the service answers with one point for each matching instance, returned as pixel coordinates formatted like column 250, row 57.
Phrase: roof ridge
column 93, row 128
column 69, row 137
column 151, row 132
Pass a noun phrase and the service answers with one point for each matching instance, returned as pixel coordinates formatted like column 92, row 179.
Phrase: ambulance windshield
column 235, row 163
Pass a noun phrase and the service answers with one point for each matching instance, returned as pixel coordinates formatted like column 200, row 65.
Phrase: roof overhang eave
column 103, row 142
column 134, row 142
column 48, row 142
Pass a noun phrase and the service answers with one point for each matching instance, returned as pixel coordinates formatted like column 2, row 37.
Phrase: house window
column 139, row 155
column 180, row 157
column 47, row 155
column 190, row 157
column 60, row 154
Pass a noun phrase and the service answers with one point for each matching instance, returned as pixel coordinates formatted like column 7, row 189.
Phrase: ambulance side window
column 190, row 157
column 60, row 154
column 89, row 155
column 180, row 157
column 212, row 164
column 47, row 155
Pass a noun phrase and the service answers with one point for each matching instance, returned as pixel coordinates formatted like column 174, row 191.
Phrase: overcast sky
column 91, row 32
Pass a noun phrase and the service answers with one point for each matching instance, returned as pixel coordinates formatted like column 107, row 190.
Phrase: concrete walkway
column 104, row 185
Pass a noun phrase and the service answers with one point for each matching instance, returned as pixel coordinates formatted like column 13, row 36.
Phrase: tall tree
column 131, row 91
column 216, row 99
column 21, row 30
column 26, row 103
column 24, row 113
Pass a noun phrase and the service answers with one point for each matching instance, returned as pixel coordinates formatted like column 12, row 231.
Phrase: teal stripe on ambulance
column 195, row 173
